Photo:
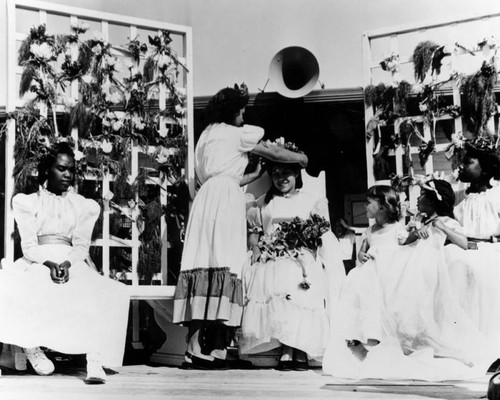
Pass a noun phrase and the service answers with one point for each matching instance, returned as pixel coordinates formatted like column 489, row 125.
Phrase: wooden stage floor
column 154, row 383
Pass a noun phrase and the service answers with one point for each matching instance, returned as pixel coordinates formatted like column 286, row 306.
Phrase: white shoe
column 95, row 373
column 39, row 361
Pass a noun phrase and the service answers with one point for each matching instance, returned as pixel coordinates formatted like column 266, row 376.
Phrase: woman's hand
column 303, row 161
column 57, row 274
column 64, row 271
column 365, row 256
column 256, row 253
column 259, row 170
column 421, row 233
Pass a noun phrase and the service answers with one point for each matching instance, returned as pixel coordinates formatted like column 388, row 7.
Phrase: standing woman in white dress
column 51, row 297
column 208, row 297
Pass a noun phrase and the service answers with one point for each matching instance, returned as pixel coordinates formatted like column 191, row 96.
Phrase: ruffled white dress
column 277, row 310
column 89, row 313
column 404, row 299
column 476, row 273
column 209, row 285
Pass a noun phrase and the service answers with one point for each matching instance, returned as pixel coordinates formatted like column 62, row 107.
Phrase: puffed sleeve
column 250, row 135
column 321, row 208
column 454, row 225
column 25, row 208
column 254, row 215
column 458, row 211
column 82, row 234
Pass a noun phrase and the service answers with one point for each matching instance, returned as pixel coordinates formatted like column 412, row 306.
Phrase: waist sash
column 54, row 239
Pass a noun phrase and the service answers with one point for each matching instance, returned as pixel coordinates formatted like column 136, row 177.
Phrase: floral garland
column 390, row 103
column 111, row 114
column 290, row 238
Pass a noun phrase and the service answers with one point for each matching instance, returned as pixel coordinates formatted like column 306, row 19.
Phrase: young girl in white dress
column 209, row 297
column 402, row 319
column 51, row 297
column 279, row 311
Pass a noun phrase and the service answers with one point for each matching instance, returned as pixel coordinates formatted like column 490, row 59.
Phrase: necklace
column 290, row 194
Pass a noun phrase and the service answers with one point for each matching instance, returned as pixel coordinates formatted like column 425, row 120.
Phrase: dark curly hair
column 50, row 158
column 443, row 207
column 225, row 105
column 489, row 159
column 388, row 199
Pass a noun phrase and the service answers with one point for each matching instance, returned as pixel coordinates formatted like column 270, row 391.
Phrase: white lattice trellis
column 119, row 29
column 402, row 40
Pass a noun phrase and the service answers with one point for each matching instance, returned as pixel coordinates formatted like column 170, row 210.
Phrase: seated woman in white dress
column 475, row 272
column 51, row 297
column 402, row 320
column 280, row 311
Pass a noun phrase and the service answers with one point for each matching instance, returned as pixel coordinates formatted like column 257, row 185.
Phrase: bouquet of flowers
column 290, row 238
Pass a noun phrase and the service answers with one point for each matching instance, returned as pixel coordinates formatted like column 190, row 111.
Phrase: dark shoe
column 220, row 364
column 300, row 366
column 239, row 364
column 494, row 387
column 93, row 380
column 285, row 365
column 95, row 373
column 201, row 363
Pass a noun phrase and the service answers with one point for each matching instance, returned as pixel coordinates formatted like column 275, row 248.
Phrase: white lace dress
column 476, row 273
column 209, row 285
column 278, row 311
column 89, row 313
column 404, row 299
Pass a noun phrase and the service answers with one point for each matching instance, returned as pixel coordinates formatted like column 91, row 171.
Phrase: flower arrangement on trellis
column 391, row 102
column 111, row 114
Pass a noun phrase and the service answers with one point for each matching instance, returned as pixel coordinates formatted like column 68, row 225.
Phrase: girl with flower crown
column 400, row 317
column 287, row 297
column 209, row 296
column 475, row 272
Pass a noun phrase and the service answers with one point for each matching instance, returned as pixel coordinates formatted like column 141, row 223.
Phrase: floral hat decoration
column 280, row 142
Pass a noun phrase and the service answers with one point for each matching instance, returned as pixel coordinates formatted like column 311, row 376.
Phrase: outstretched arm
column 279, row 154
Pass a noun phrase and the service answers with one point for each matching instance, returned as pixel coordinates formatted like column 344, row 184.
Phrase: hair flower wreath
column 243, row 89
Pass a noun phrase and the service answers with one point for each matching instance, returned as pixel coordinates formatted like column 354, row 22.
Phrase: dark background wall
column 330, row 132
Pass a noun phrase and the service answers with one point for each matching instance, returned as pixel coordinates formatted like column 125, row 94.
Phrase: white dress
column 404, row 299
column 277, row 310
column 209, row 284
column 89, row 313
column 476, row 273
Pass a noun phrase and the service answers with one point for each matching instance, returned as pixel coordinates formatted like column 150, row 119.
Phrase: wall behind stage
column 235, row 40
column 331, row 133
